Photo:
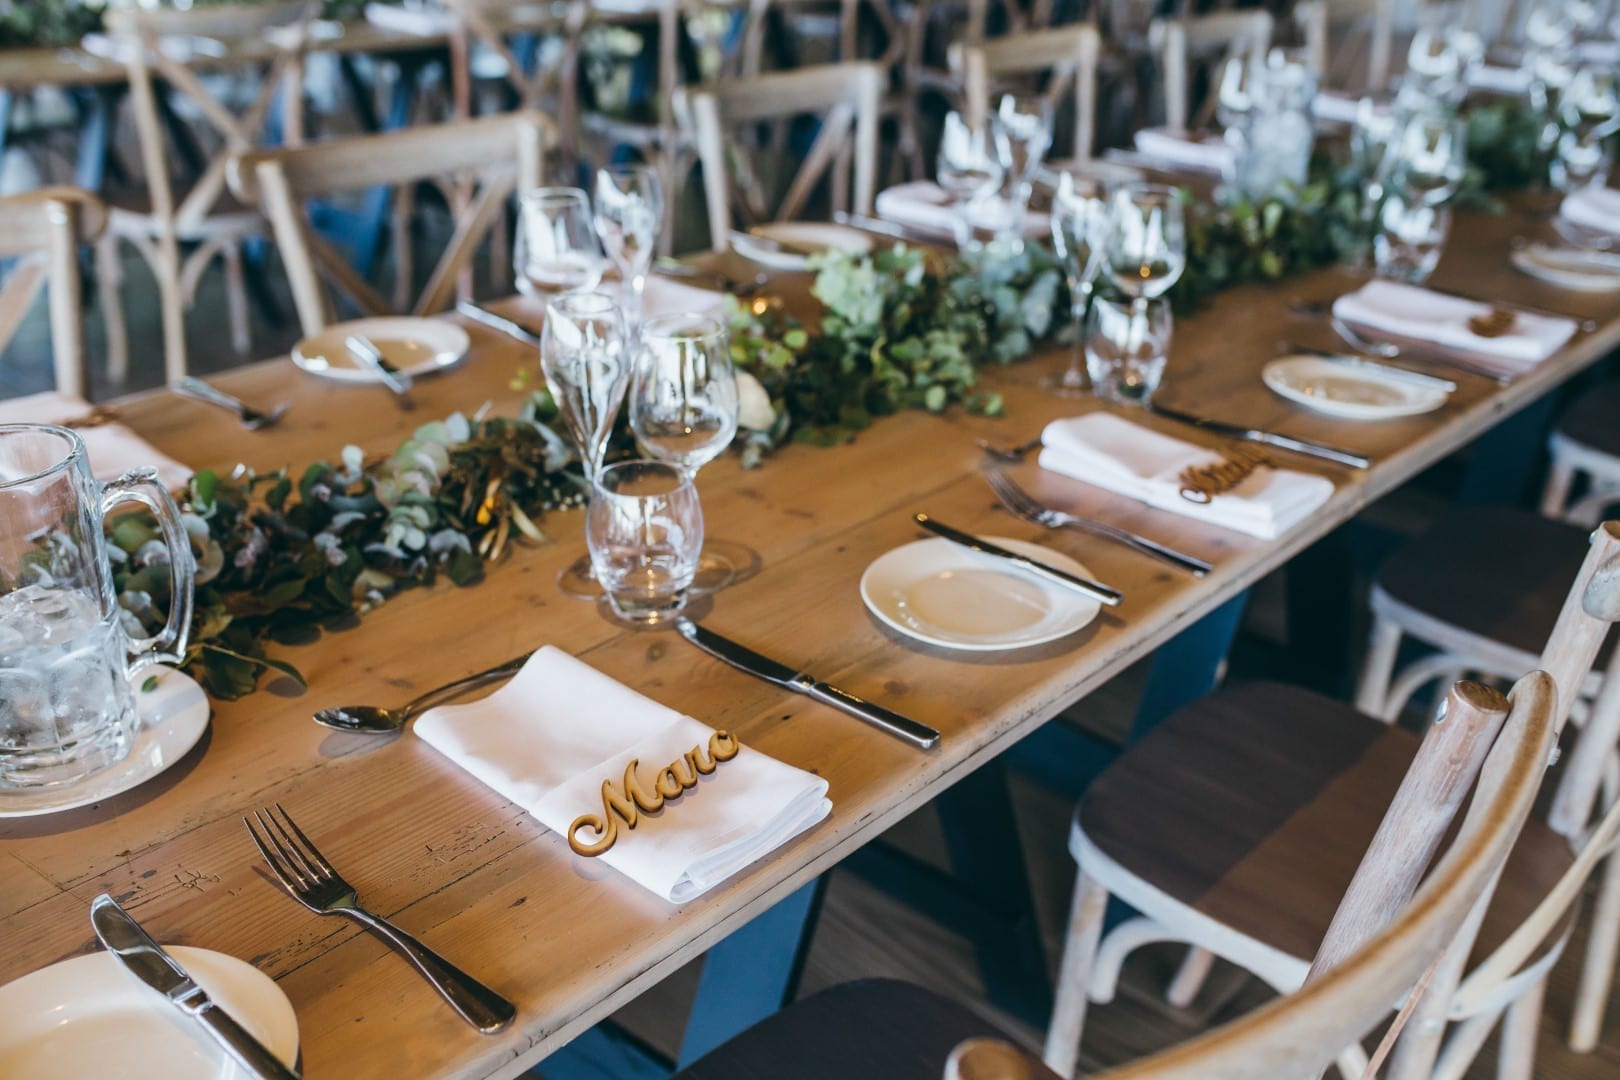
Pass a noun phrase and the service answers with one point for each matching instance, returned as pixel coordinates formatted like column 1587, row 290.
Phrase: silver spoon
column 376, row 720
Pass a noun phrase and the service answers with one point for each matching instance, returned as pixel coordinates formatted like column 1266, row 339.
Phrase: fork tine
column 308, row 846
column 1013, row 497
column 300, row 866
column 287, row 878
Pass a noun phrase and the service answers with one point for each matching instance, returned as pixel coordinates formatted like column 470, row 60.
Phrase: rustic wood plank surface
column 478, row 879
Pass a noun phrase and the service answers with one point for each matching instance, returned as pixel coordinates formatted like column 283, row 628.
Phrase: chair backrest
column 43, row 230
column 157, row 43
column 847, row 47
column 1222, row 34
column 1303, row 1033
column 1068, row 55
column 505, row 153
column 846, row 96
column 1330, row 25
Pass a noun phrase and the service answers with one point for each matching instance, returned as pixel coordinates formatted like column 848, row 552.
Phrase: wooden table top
column 481, row 881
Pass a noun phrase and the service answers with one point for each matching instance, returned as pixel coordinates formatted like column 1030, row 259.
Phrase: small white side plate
column 415, row 346
column 943, row 594
column 89, row 1017
column 1570, row 268
column 804, row 236
column 174, row 715
column 1349, row 392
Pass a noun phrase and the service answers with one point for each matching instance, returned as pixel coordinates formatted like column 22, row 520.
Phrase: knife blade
column 480, row 314
column 1394, row 371
column 365, row 350
column 146, row 960
column 761, row 666
column 1099, row 592
column 1334, row 454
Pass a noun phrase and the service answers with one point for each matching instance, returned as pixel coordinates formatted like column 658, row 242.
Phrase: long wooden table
column 480, row 880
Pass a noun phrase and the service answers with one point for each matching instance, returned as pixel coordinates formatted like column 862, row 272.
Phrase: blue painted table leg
column 1509, row 457
column 752, row 973
column 1188, row 666
column 95, row 135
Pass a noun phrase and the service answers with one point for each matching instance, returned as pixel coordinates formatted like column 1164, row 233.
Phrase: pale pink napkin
column 113, row 448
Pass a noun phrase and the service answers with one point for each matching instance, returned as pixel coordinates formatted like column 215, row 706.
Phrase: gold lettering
column 649, row 802
column 673, row 780
column 700, row 762
column 723, row 745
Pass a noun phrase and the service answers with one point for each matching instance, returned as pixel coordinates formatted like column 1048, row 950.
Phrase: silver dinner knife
column 480, row 314
column 1362, row 363
column 1270, row 438
column 365, row 350
column 1099, row 592
column 745, row 659
column 146, row 960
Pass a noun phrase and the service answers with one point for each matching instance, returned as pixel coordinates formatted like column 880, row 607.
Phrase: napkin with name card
column 415, row 21
column 1188, row 150
column 113, row 448
column 926, row 207
column 547, row 739
column 1596, row 208
column 1117, row 455
column 1411, row 311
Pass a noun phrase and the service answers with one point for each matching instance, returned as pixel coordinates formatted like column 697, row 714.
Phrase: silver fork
column 251, row 418
column 1023, row 504
column 312, row 881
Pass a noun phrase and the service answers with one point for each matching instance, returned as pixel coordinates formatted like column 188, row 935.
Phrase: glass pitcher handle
column 169, row 646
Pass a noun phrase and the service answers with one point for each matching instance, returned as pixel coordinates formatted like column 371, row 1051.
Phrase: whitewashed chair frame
column 273, row 34
column 1177, row 41
column 1323, row 20
column 507, row 152
column 43, row 231
column 1505, row 993
column 847, row 95
column 1070, row 53
column 1570, row 461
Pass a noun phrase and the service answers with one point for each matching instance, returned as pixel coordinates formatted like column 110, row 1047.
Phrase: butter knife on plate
column 1338, row 456
column 1097, row 591
column 146, row 960
column 773, row 671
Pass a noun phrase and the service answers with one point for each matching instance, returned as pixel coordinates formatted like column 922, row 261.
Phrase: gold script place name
column 630, row 800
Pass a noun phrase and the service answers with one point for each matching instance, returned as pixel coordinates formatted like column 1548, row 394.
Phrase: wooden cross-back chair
column 43, row 230
column 266, row 37
column 1340, row 32
column 1067, row 57
column 845, row 95
column 1180, row 43
column 1235, row 824
column 506, row 154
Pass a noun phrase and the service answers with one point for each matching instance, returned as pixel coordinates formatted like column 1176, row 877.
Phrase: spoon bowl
column 377, row 720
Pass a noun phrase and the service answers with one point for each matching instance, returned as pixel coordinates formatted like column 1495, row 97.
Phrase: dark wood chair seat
column 1255, row 804
column 1594, row 419
column 874, row 1028
column 1496, row 573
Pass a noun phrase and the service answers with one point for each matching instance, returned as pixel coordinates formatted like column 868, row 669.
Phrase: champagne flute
column 1431, row 155
column 683, row 406
column 585, row 356
column 966, row 170
column 1023, row 132
column 556, row 248
column 1591, row 104
column 1147, row 252
column 1079, row 235
column 629, row 216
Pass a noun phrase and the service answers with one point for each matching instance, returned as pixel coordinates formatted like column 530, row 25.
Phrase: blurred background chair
column 43, row 231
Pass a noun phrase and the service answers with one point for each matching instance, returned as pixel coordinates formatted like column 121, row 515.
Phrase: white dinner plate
column 1570, row 268
column 415, row 346
column 88, row 1016
column 1348, row 391
column 804, row 236
column 174, row 715
column 943, row 594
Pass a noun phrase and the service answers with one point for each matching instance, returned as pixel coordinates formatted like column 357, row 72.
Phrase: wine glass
column 967, row 171
column 556, row 248
column 1147, row 241
column 683, row 406
column 629, row 215
column 585, row 356
column 1022, row 126
column 1238, row 91
column 1079, row 234
column 1591, row 108
column 1431, row 155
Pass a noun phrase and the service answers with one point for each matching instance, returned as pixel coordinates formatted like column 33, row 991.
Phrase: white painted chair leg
column 110, row 291
column 1516, row 1059
column 1464, row 1044
column 1079, row 948
column 167, row 269
column 1597, row 970
column 1195, row 968
column 1555, row 495
column 1372, row 691
column 236, row 300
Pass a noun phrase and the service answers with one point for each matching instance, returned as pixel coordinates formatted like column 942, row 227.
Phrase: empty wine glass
column 1079, row 236
column 968, row 172
column 585, row 356
column 1441, row 60
column 1431, row 155
column 1410, row 238
column 1591, row 110
column 1022, row 126
column 644, row 529
column 1147, row 241
column 556, row 248
column 629, row 215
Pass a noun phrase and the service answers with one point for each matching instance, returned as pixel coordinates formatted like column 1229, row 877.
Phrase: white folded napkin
column 925, row 206
column 418, row 22
column 113, row 448
column 1205, row 153
column 1339, row 108
column 664, row 296
column 1499, row 80
column 1411, row 311
column 547, row 740
column 1596, row 208
column 1114, row 454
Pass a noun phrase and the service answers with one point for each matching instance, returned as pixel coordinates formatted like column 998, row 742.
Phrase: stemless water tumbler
column 67, row 708
column 645, row 531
